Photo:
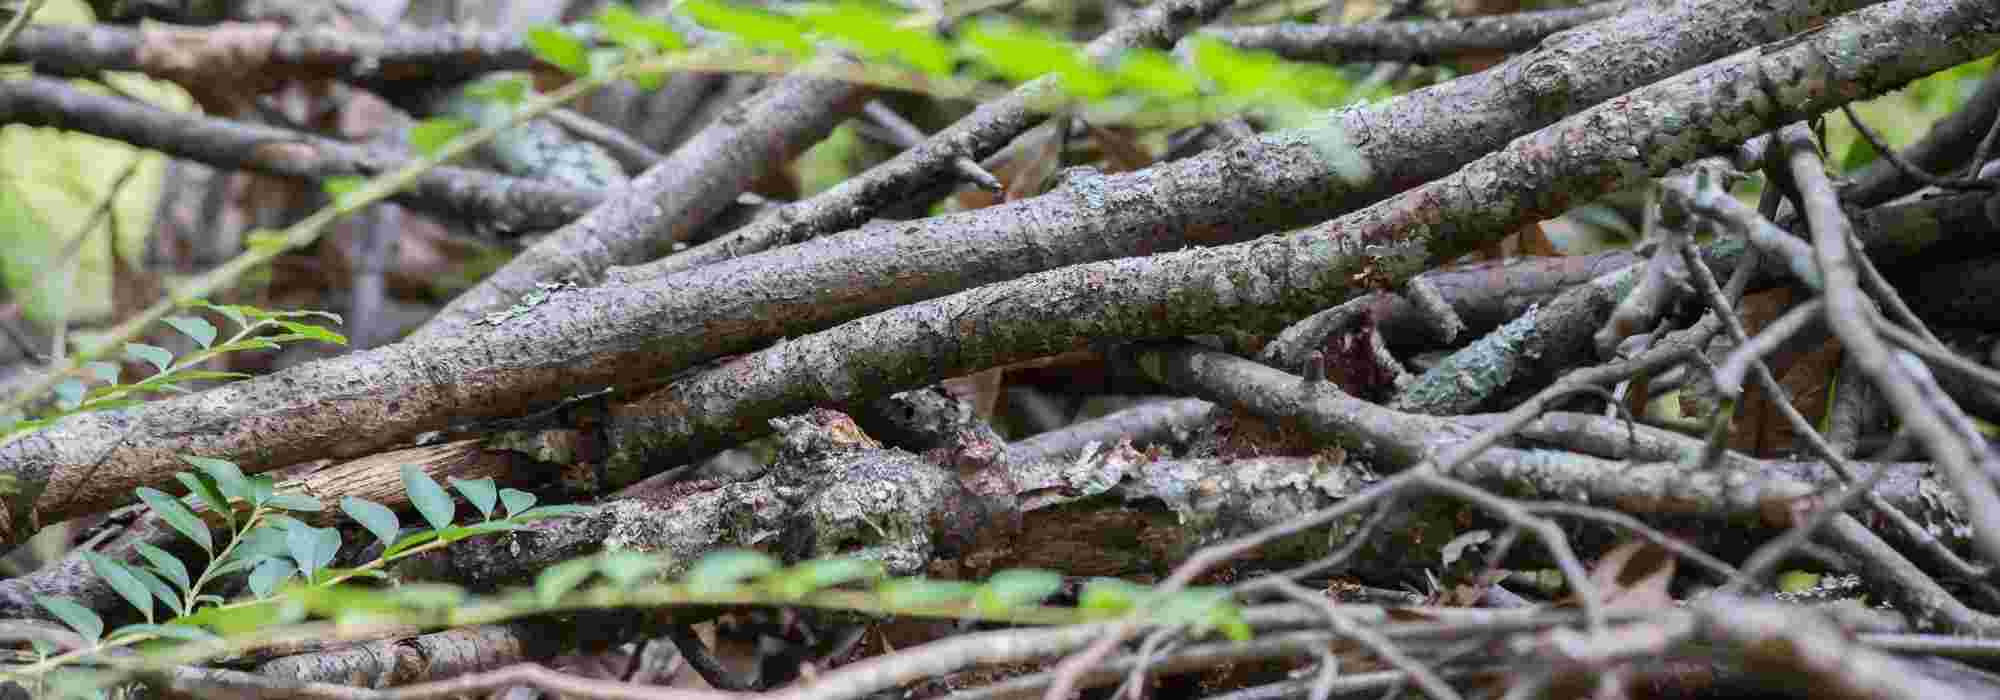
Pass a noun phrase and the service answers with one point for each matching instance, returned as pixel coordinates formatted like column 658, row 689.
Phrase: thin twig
column 1910, row 170
column 907, row 135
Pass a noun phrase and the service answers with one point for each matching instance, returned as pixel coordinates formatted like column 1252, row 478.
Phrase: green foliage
column 899, row 51
column 76, row 393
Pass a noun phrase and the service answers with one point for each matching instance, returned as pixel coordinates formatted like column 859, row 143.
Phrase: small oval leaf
column 377, row 518
column 429, row 498
column 153, row 354
column 516, row 501
column 481, row 493
column 194, row 327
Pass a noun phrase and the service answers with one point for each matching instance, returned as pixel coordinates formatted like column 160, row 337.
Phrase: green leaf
column 1193, row 606
column 725, row 570
column 557, row 581
column 269, row 574
column 243, row 345
column 228, row 479
column 767, row 31
column 377, row 518
column 516, row 501
column 429, row 498
column 481, row 493
column 873, row 33
column 1021, row 54
column 185, row 633
column 557, row 48
column 194, row 375
column 509, row 91
column 262, row 488
column 428, row 596
column 821, row 574
column 296, row 502
column 106, row 372
column 312, row 548
column 156, row 355
column 1110, row 597
column 233, row 312
column 625, row 567
column 1157, row 74
column 411, row 541
column 237, row 620
column 555, row 511
column 1015, row 588
column 122, row 580
column 342, row 188
column 1859, row 153
column 237, row 563
column 194, row 327
column 79, row 619
column 165, row 563
column 69, row 393
column 637, row 32
column 161, row 591
column 925, row 593
column 265, row 540
column 431, row 134
column 178, row 515
column 307, row 330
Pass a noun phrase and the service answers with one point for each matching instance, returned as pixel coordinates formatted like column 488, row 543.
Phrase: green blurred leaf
column 557, row 48
column 178, row 515
column 725, row 570
column 1015, row 588
column 342, row 188
column 924, row 593
column 762, row 30
column 106, row 372
column 557, row 581
column 69, row 393
column 625, row 567
column 231, row 311
column 428, row 497
column 262, row 488
column 637, row 32
column 820, row 574
column 1110, row 597
column 1859, row 153
column 194, row 327
column 871, row 31
column 431, row 134
column 1021, row 54
column 510, row 91
column 428, row 596
column 182, row 632
column 79, row 619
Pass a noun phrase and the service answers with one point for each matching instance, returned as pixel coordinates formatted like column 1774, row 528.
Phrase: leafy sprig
column 75, row 393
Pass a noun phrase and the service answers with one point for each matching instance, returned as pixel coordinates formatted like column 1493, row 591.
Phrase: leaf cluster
column 98, row 385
